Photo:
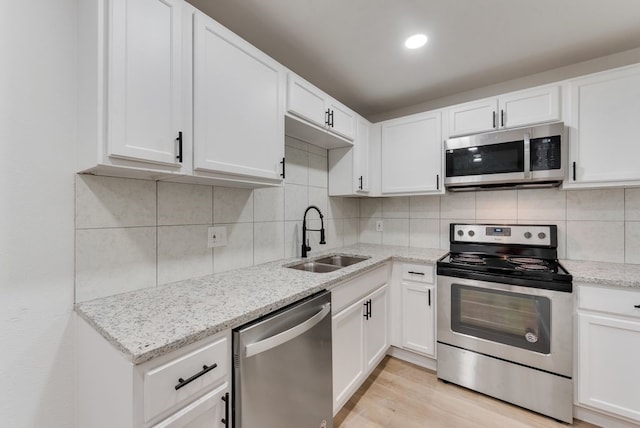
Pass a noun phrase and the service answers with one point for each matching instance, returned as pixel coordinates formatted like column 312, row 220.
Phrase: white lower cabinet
column 418, row 300
column 360, row 331
column 189, row 387
column 608, row 349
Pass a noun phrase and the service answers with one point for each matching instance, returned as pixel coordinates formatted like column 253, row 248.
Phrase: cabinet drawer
column 418, row 273
column 160, row 382
column 355, row 289
column 615, row 301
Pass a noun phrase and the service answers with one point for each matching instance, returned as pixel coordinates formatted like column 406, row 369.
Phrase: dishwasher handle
column 280, row 338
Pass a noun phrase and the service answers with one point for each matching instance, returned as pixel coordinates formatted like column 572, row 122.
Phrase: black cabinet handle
column 326, row 117
column 205, row 369
column 494, row 119
column 369, row 305
column 360, row 187
column 437, row 181
column 179, row 140
column 416, row 273
column 331, row 119
column 225, row 420
column 429, row 293
column 283, row 168
column 366, row 310
column 501, row 117
column 574, row 171
column 636, row 306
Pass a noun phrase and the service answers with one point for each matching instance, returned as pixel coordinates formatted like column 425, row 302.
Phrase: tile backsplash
column 133, row 234
column 597, row 225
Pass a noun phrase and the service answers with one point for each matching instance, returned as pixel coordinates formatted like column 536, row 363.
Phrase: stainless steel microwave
column 523, row 157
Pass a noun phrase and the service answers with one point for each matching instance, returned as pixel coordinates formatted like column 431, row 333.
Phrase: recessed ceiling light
column 416, row 41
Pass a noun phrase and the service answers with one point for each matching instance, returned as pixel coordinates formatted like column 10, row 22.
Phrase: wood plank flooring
column 400, row 394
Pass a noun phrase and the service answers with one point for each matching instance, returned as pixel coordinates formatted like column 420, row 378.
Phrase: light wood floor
column 400, row 394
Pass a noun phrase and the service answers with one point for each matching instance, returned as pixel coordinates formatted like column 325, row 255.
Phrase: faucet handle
column 322, row 241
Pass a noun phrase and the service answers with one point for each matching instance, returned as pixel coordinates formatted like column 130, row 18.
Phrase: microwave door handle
column 527, row 155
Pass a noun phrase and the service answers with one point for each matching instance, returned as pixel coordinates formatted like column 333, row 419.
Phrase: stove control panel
column 519, row 234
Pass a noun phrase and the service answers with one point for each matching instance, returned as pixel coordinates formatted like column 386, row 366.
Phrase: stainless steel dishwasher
column 282, row 368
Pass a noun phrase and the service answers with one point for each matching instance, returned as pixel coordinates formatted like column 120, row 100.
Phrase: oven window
column 513, row 319
column 489, row 159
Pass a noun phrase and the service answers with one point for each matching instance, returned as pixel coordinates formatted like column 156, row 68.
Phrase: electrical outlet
column 216, row 236
column 379, row 226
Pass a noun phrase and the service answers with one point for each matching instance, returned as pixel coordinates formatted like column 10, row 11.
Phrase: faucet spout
column 305, row 245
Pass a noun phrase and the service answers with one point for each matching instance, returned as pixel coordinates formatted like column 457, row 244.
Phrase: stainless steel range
column 505, row 316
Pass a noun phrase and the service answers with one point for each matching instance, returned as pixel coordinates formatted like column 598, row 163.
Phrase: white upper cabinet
column 604, row 138
column 511, row 110
column 238, row 107
column 309, row 103
column 411, row 154
column 130, row 86
column 349, row 172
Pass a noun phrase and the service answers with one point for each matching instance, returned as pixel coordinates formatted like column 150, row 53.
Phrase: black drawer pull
column 225, row 420
column 636, row 306
column 416, row 273
column 179, row 140
column 429, row 297
column 205, row 369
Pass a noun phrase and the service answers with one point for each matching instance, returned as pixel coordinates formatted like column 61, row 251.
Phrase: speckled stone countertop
column 147, row 323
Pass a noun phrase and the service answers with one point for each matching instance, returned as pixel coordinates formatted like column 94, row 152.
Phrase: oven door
column 529, row 326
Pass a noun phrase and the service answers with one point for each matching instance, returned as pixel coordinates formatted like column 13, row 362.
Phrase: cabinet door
column 348, row 358
column 418, row 329
column 144, row 80
column 306, row 101
column 472, row 118
column 605, row 143
column 530, row 107
column 376, row 335
column 361, row 160
column 411, row 154
column 342, row 120
column 608, row 374
column 209, row 411
column 238, row 105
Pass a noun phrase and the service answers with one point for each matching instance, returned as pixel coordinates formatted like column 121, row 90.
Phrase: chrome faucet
column 305, row 242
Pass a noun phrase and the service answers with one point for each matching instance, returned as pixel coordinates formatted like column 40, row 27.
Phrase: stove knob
column 471, row 233
column 542, row 235
column 527, row 235
column 460, row 233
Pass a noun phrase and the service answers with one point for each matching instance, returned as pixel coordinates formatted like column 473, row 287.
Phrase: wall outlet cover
column 379, row 226
column 216, row 236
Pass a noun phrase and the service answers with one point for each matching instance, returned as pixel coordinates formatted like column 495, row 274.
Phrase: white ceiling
column 353, row 49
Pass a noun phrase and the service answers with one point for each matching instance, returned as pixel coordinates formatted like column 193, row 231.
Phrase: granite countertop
column 147, row 323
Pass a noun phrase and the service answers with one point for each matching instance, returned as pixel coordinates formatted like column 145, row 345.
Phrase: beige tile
column 335, row 207
column 632, row 204
column 292, row 238
column 632, row 242
column 296, row 201
column 113, row 261
column 268, row 204
column 334, row 234
column 367, row 231
column 351, row 207
column 458, row 205
column 318, row 176
column 562, row 233
column 424, row 207
column 499, row 204
column 370, row 208
column 232, row 205
column 114, row 202
column 444, row 230
column 600, row 204
column 320, row 199
column 541, row 204
column 182, row 204
column 183, row 253
column 238, row 252
column 297, row 166
column 596, row 241
column 351, row 235
column 395, row 207
column 424, row 233
column 396, row 231
column 268, row 242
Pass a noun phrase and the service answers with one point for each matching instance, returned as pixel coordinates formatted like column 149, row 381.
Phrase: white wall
column 133, row 234
column 37, row 138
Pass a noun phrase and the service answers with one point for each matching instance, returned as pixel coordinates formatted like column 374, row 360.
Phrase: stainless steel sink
column 314, row 267
column 341, row 260
column 328, row 264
